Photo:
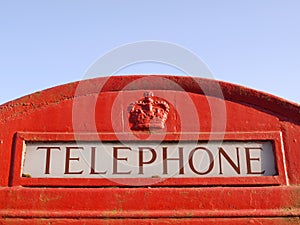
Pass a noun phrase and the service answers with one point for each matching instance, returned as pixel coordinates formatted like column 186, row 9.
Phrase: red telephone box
column 149, row 150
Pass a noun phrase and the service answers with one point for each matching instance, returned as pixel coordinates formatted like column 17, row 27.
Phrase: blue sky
column 255, row 43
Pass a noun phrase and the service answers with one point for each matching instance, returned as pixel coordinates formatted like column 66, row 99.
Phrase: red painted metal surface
column 250, row 115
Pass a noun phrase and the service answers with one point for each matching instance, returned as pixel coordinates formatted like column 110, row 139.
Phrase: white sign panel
column 148, row 159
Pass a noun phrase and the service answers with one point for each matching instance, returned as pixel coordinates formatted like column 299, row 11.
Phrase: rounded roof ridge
column 231, row 92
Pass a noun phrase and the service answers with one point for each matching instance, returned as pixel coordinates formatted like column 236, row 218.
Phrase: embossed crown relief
column 148, row 113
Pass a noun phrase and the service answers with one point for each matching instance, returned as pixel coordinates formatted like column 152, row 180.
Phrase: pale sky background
column 255, row 43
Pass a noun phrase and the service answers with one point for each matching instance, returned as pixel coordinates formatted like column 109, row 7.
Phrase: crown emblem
column 149, row 112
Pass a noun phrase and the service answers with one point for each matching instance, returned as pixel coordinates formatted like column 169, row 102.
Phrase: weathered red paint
column 250, row 115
